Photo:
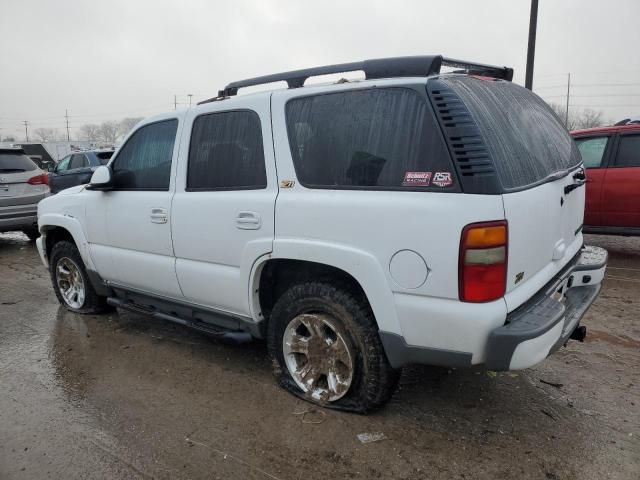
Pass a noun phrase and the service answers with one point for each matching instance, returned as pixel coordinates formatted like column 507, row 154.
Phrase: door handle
column 248, row 221
column 159, row 215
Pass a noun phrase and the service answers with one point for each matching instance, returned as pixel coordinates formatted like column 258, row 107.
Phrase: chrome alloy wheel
column 317, row 356
column 70, row 282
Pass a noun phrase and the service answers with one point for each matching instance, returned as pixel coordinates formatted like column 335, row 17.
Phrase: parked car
column 611, row 156
column 412, row 217
column 22, row 186
column 77, row 168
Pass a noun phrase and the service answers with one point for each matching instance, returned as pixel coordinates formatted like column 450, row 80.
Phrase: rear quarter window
column 527, row 142
column 384, row 138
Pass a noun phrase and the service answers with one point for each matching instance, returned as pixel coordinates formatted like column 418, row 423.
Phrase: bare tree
column 108, row 132
column 90, row 132
column 46, row 134
column 589, row 118
column 126, row 125
column 578, row 118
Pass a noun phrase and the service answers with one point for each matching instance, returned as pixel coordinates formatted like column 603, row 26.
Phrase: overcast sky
column 110, row 59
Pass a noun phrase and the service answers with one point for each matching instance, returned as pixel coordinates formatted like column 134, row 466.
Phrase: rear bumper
column 546, row 321
column 18, row 217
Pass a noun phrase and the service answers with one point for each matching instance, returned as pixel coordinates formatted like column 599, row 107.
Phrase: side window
column 368, row 139
column 628, row 151
column 144, row 162
column 592, row 150
column 78, row 160
column 226, row 152
column 63, row 164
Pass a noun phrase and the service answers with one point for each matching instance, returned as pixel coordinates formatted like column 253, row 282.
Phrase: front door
column 223, row 209
column 129, row 227
column 594, row 152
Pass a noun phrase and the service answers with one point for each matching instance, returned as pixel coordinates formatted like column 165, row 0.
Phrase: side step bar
column 226, row 336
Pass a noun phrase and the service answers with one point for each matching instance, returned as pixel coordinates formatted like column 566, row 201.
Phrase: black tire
column 374, row 380
column 32, row 233
column 93, row 303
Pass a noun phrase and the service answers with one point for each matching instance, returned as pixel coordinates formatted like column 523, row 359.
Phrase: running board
column 227, row 336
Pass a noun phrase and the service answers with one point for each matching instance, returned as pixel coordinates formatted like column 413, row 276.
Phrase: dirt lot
column 124, row 396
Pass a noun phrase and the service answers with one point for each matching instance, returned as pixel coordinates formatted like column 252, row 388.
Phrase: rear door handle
column 159, row 215
column 248, row 221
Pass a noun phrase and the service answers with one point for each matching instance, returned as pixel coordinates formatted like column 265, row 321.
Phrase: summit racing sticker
column 416, row 179
column 442, row 179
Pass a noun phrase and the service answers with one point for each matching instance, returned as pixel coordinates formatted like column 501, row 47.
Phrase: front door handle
column 159, row 215
column 248, row 221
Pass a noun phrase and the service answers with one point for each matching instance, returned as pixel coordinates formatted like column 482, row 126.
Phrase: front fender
column 49, row 221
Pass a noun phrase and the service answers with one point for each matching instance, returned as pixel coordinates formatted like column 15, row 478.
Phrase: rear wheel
column 325, row 347
column 70, row 280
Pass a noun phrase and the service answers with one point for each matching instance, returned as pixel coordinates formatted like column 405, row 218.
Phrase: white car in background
column 22, row 185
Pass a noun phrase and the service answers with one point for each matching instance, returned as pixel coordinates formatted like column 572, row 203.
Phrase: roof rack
column 417, row 66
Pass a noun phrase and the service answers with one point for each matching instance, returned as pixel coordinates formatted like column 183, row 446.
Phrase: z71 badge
column 442, row 179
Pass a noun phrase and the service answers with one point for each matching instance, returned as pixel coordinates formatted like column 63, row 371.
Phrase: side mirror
column 51, row 167
column 101, row 179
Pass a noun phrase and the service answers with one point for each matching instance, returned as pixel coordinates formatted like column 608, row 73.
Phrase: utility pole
column 66, row 116
column 531, row 48
column 175, row 102
column 190, row 95
column 566, row 114
column 26, row 130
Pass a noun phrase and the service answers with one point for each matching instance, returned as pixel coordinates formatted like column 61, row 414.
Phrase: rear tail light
column 482, row 266
column 42, row 179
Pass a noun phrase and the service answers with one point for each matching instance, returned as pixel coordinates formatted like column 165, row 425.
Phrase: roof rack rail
column 416, row 66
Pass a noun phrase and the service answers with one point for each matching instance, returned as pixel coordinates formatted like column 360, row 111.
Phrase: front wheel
column 326, row 349
column 71, row 282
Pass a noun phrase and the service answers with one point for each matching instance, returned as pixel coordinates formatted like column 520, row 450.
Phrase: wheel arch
column 300, row 261
column 54, row 228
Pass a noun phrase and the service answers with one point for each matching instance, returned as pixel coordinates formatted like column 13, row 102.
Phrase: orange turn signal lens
column 482, row 237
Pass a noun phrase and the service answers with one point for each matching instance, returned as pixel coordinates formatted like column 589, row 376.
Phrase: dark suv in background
column 77, row 168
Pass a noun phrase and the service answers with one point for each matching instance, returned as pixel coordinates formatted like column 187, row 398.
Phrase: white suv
column 412, row 217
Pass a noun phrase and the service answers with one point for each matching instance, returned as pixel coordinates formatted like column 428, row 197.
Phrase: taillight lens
column 482, row 267
column 42, row 179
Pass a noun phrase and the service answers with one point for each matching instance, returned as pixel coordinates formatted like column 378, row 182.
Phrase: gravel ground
column 124, row 396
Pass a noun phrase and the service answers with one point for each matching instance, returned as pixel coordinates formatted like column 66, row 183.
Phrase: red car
column 611, row 156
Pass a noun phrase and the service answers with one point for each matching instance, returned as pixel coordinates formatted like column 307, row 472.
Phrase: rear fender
column 361, row 265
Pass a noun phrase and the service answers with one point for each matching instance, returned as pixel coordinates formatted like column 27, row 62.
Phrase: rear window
column 368, row 139
column 527, row 141
column 15, row 163
column 103, row 157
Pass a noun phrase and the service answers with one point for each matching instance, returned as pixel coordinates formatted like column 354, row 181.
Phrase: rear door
column 594, row 151
column 223, row 209
column 621, row 190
